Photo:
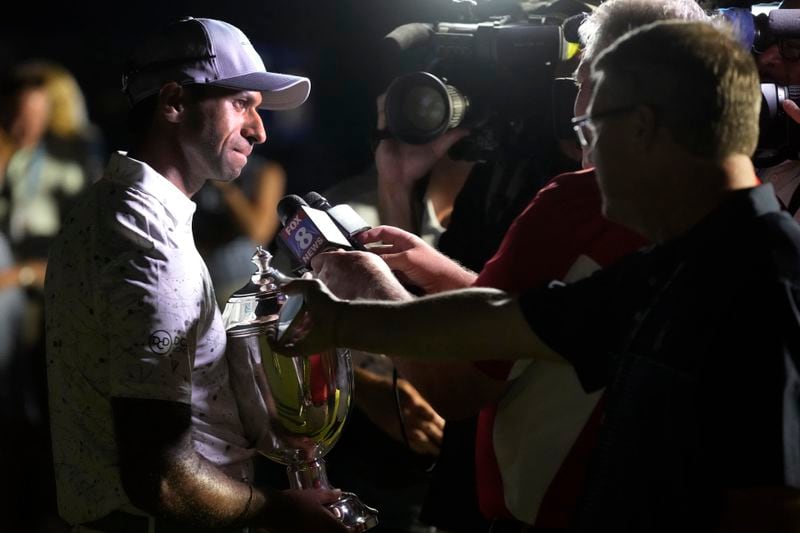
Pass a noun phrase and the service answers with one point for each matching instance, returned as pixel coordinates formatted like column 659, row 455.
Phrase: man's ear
column 171, row 101
column 645, row 127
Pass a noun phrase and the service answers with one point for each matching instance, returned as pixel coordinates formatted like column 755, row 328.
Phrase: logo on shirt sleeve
column 162, row 342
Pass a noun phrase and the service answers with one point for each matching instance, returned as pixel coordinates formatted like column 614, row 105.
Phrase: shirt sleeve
column 150, row 314
column 585, row 322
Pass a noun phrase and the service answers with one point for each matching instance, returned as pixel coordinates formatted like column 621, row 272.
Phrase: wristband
column 243, row 514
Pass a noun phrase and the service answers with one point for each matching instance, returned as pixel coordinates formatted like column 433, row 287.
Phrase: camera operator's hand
column 791, row 109
column 422, row 265
column 401, row 165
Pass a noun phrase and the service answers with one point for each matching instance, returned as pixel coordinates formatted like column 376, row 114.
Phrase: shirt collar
column 764, row 200
column 745, row 203
column 127, row 171
column 740, row 206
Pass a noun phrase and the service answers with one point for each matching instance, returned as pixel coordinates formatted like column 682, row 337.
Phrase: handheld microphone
column 307, row 231
column 317, row 201
column 351, row 225
column 344, row 216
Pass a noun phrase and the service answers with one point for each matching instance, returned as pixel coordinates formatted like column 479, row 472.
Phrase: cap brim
column 278, row 91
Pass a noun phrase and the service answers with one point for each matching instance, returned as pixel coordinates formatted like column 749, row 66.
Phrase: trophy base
column 355, row 516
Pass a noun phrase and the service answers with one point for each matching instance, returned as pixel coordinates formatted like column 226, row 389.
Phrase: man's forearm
column 196, row 492
column 469, row 324
column 466, row 391
column 163, row 475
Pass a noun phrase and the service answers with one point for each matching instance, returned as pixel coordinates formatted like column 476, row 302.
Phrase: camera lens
column 424, row 108
column 420, row 107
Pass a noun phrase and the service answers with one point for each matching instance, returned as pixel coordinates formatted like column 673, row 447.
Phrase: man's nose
column 254, row 129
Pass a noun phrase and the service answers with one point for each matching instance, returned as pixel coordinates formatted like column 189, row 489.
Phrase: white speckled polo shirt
column 131, row 313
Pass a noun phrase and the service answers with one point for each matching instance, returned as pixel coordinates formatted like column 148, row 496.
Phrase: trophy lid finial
column 260, row 299
column 261, row 260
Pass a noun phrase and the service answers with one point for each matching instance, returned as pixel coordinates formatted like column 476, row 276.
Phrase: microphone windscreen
column 288, row 206
column 316, row 200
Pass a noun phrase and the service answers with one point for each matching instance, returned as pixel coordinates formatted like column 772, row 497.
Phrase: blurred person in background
column 49, row 152
column 52, row 151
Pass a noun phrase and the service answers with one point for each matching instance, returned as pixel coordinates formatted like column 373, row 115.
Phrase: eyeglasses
column 585, row 126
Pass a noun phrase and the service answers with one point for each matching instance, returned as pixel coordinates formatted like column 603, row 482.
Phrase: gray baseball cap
column 210, row 52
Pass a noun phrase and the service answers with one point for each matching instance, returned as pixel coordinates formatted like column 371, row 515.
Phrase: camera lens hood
column 420, row 107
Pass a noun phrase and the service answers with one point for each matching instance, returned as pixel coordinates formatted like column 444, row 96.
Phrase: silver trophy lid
column 250, row 309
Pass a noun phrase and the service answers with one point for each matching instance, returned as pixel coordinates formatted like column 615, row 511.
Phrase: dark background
column 333, row 42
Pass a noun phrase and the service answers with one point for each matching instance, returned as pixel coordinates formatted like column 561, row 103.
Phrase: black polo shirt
column 698, row 341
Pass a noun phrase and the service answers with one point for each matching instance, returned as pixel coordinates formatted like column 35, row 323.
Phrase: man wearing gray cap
column 146, row 429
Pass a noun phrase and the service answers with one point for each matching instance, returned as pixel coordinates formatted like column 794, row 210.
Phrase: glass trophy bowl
column 292, row 408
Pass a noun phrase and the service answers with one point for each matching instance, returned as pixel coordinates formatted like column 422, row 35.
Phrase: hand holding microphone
column 417, row 262
column 358, row 275
column 344, row 216
column 355, row 227
column 307, row 231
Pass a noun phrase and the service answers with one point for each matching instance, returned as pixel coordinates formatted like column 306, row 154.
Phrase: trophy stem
column 309, row 475
column 354, row 515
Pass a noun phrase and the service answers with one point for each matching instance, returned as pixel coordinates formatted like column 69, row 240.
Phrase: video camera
column 779, row 136
column 495, row 76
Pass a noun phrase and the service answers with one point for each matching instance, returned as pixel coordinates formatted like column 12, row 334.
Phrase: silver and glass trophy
column 293, row 409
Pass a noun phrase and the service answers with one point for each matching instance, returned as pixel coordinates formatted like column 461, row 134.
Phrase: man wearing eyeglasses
column 530, row 463
column 697, row 337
